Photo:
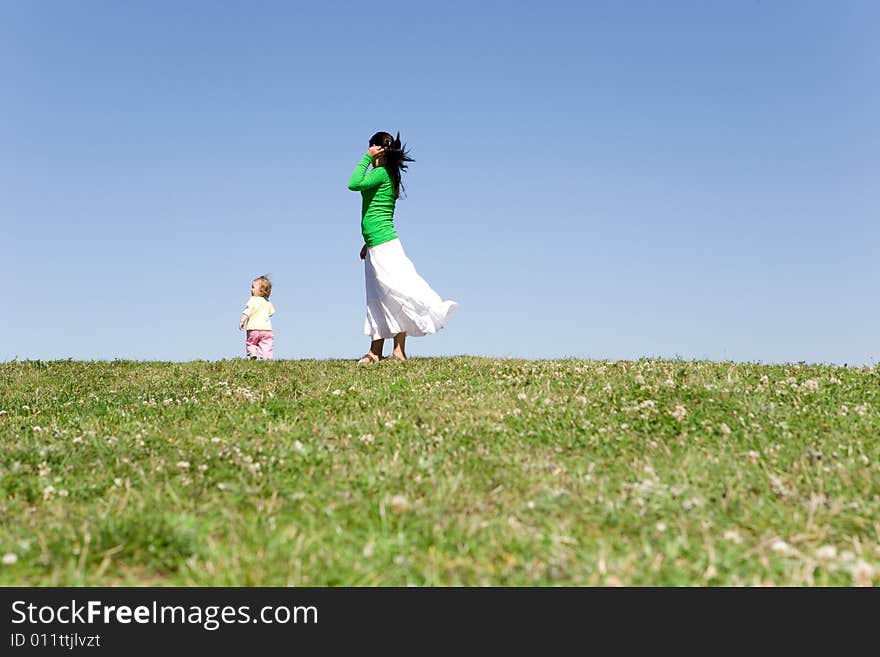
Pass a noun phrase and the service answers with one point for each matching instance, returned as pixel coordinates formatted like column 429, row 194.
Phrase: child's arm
column 245, row 316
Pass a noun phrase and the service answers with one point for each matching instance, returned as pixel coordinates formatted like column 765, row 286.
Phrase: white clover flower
column 680, row 412
column 10, row 558
column 826, row 553
column 733, row 536
column 337, row 393
column 724, row 429
column 399, row 502
column 367, row 438
column 183, row 465
column 863, row 573
column 781, row 547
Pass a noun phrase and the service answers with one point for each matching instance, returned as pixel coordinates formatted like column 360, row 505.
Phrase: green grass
column 439, row 471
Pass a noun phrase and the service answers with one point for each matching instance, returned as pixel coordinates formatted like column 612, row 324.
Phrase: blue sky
column 598, row 179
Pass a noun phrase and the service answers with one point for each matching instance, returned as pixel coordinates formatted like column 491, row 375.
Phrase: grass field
column 439, row 471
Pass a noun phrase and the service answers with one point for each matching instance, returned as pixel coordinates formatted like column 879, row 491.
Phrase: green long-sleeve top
column 377, row 207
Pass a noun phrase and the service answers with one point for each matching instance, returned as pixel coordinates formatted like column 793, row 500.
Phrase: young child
column 255, row 317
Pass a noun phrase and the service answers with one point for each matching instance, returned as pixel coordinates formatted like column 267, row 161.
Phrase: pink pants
column 259, row 344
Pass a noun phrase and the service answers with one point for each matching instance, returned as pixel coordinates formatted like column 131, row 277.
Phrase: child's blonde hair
column 264, row 286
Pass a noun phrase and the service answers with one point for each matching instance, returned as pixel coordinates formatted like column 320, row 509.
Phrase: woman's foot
column 397, row 355
column 374, row 354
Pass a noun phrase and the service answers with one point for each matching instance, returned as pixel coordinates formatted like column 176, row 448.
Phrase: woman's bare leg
column 399, row 352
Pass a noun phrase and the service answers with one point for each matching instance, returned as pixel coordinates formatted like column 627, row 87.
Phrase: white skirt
column 398, row 299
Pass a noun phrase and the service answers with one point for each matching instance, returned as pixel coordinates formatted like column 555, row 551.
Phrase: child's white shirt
column 258, row 311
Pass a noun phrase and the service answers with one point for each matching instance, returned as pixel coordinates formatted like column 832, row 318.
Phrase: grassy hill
column 439, row 471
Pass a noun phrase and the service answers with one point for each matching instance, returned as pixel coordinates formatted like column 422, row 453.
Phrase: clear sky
column 694, row 179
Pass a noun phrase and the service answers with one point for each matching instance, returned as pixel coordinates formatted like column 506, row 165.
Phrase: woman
column 399, row 301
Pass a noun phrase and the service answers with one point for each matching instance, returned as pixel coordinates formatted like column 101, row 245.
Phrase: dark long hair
column 394, row 158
